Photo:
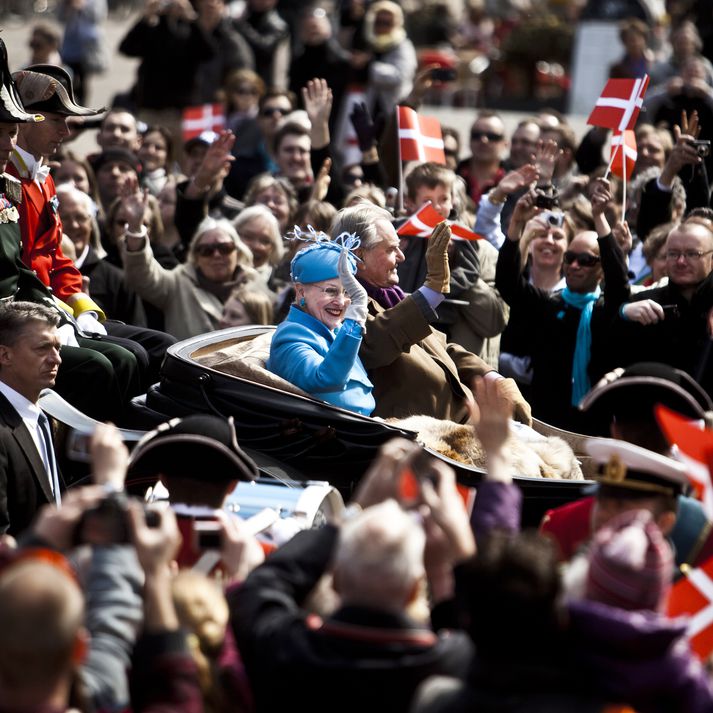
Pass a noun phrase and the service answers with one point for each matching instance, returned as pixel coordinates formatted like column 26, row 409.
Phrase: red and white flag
column 695, row 451
column 420, row 137
column 623, row 154
column 619, row 104
column 197, row 119
column 426, row 218
column 692, row 596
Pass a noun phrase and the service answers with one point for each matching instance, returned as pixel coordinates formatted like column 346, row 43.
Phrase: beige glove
column 438, row 273
column 508, row 389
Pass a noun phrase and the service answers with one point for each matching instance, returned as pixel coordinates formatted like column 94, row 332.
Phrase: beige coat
column 413, row 369
column 479, row 325
column 188, row 308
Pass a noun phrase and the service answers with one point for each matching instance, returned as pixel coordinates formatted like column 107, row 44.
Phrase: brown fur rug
column 549, row 458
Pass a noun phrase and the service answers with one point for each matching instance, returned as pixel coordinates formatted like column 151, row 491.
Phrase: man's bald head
column 40, row 624
column 582, row 268
column 689, row 253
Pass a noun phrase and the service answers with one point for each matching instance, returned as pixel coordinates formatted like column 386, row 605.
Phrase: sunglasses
column 208, row 249
column 583, row 259
column 272, row 110
column 489, row 135
column 245, row 91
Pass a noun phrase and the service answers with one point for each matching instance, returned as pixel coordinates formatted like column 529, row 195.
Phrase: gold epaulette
column 13, row 188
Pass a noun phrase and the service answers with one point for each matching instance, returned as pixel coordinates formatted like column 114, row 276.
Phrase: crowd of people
column 583, row 303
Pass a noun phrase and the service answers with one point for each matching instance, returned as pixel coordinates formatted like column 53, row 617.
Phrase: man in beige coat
column 413, row 369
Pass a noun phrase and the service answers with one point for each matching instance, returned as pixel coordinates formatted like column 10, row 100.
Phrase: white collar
column 27, row 158
column 82, row 257
column 27, row 410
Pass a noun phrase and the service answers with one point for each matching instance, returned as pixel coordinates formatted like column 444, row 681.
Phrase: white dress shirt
column 30, row 413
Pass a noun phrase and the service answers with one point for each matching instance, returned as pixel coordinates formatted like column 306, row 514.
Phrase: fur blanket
column 539, row 457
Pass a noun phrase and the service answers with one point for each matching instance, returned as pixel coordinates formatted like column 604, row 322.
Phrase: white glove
column 67, row 337
column 357, row 294
column 644, row 312
column 88, row 322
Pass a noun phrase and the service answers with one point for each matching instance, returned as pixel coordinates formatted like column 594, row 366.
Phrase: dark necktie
column 48, row 457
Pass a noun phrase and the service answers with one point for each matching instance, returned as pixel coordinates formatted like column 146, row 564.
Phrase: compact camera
column 703, row 148
column 553, row 218
column 108, row 522
column 546, row 199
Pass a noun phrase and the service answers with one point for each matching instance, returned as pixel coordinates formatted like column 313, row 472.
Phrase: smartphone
column 670, row 311
column 78, row 446
column 208, row 534
column 443, row 74
column 417, row 470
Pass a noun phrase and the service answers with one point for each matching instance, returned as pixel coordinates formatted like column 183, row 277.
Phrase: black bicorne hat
column 197, row 447
column 48, row 87
column 12, row 110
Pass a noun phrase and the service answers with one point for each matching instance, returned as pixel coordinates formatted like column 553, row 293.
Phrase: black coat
column 358, row 660
column 24, row 484
column 108, row 289
column 553, row 332
column 682, row 341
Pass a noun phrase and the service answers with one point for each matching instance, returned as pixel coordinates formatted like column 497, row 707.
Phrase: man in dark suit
column 29, row 362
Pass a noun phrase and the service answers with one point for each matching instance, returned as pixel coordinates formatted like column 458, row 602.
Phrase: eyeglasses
column 332, row 292
column 687, row 255
column 489, row 135
column 271, row 110
column 208, row 249
column 583, row 259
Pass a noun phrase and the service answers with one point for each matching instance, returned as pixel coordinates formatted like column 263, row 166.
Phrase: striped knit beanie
column 630, row 563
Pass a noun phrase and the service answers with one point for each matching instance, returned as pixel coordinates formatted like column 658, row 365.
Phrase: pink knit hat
column 630, row 563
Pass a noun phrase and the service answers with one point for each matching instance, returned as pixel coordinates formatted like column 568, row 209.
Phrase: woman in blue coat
column 317, row 346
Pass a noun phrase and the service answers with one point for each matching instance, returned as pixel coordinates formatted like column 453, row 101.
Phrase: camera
column 553, row 218
column 670, row 311
column 547, row 199
column 108, row 522
column 208, row 534
column 443, row 74
column 703, row 148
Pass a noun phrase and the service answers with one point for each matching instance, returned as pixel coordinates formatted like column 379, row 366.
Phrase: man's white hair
column 379, row 558
column 360, row 219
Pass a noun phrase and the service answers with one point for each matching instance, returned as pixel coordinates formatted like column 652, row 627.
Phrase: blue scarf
column 583, row 347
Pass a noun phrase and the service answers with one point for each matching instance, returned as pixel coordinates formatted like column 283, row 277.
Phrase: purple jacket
column 640, row 657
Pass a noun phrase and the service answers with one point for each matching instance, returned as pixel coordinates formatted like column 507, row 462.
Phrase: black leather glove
column 363, row 125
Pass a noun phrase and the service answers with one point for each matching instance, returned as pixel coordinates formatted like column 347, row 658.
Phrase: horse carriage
column 294, row 437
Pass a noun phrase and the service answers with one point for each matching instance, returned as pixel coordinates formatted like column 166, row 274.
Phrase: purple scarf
column 387, row 297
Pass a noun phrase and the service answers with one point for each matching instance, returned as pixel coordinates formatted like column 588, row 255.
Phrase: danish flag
column 420, row 137
column 618, row 106
column 426, row 218
column 692, row 595
column 695, row 447
column 623, row 154
column 197, row 119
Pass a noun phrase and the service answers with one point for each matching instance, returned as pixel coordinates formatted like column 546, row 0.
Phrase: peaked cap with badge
column 627, row 467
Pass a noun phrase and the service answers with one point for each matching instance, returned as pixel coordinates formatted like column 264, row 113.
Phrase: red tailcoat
column 41, row 231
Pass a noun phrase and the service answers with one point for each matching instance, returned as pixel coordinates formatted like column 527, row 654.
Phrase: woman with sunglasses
column 568, row 340
column 316, row 348
column 193, row 294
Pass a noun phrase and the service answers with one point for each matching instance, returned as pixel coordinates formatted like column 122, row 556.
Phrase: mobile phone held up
column 443, row 74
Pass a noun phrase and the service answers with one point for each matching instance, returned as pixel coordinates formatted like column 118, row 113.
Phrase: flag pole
column 623, row 194
column 400, row 201
column 617, row 148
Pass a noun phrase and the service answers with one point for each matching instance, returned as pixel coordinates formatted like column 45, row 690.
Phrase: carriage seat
column 246, row 359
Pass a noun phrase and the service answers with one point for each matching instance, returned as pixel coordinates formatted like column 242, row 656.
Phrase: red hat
column 630, row 563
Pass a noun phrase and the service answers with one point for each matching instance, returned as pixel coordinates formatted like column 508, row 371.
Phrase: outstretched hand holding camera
column 685, row 151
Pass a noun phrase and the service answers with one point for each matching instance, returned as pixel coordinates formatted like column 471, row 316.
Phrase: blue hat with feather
column 319, row 260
